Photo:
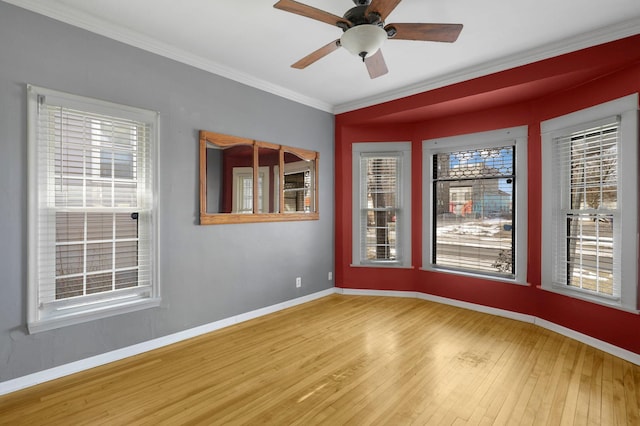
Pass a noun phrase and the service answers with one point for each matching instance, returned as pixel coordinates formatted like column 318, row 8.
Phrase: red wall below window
column 524, row 95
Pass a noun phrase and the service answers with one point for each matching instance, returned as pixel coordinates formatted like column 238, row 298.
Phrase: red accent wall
column 524, row 95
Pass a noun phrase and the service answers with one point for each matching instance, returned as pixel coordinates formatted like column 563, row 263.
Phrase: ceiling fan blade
column 318, row 54
column 310, row 12
column 376, row 65
column 382, row 7
column 426, row 32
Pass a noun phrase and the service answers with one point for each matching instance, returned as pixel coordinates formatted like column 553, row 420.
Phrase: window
column 243, row 189
column 475, row 204
column 590, row 203
column 92, row 216
column 382, row 204
column 298, row 181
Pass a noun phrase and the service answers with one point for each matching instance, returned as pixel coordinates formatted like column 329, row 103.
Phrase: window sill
column 64, row 320
column 576, row 294
column 380, row 265
column 477, row 275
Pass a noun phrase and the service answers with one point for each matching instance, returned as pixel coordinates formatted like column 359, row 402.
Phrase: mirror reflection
column 236, row 171
column 298, row 181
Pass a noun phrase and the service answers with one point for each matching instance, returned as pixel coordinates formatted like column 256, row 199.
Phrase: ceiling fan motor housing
column 358, row 16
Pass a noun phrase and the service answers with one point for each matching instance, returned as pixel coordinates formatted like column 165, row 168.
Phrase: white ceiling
column 253, row 43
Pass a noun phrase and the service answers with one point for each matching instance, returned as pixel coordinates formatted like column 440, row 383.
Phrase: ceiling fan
column 364, row 31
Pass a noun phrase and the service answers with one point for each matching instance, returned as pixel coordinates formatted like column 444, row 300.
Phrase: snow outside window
column 475, row 204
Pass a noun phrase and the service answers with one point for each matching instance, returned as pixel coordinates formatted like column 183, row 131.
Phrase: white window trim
column 516, row 136
column 404, row 198
column 69, row 314
column 627, row 109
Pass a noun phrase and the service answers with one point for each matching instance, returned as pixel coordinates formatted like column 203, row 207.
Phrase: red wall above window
column 524, row 95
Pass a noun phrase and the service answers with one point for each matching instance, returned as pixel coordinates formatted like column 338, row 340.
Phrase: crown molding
column 582, row 41
column 132, row 38
column 135, row 39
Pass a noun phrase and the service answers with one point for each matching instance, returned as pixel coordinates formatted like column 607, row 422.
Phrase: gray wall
column 207, row 272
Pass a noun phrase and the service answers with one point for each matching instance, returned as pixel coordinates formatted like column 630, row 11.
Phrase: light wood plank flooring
column 350, row 360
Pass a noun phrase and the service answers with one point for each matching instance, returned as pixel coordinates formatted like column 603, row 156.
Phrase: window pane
column 594, row 169
column 126, row 279
column 99, row 256
column 126, row 194
column 247, row 194
column 381, row 214
column 126, row 254
column 69, row 287
column 126, row 225
column 69, row 226
column 473, row 210
column 381, row 242
column 99, row 283
column 99, row 226
column 69, row 192
column 99, row 193
column 590, row 252
column 69, row 259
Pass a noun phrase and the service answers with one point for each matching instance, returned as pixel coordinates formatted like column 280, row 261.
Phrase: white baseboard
column 567, row 332
column 108, row 357
column 591, row 341
column 105, row 358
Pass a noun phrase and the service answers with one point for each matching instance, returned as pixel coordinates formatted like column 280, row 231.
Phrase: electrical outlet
column 330, row 276
column 298, row 282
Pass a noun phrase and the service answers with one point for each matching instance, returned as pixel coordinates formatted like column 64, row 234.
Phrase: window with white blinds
column 591, row 202
column 587, row 164
column 92, row 209
column 381, row 204
column 378, row 206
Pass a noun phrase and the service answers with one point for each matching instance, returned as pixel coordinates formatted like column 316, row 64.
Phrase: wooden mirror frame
column 227, row 141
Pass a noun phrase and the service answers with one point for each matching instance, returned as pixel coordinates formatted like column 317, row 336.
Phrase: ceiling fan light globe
column 363, row 39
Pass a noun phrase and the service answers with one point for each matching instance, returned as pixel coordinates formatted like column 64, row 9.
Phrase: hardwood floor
column 350, row 360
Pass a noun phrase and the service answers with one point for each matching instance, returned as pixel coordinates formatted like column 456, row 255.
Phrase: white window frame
column 516, row 136
column 626, row 109
column 50, row 314
column 403, row 233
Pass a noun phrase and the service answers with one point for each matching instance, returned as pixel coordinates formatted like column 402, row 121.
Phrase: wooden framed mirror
column 235, row 171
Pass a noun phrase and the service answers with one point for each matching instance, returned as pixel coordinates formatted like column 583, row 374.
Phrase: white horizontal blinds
column 587, row 159
column 473, row 198
column 246, row 197
column 380, row 215
column 95, row 203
